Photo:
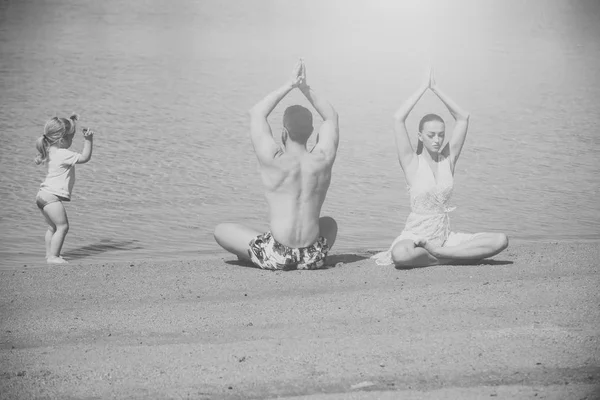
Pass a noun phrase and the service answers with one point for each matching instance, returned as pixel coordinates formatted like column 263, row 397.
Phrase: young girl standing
column 53, row 148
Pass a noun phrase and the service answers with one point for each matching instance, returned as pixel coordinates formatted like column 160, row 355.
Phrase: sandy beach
column 524, row 325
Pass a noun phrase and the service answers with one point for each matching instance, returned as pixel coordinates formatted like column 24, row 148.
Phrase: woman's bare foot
column 56, row 260
column 420, row 242
column 424, row 243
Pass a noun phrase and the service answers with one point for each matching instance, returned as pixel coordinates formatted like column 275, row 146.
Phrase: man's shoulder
column 307, row 163
column 324, row 153
column 286, row 163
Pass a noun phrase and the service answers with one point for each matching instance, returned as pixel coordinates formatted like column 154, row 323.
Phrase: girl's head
column 58, row 132
column 431, row 133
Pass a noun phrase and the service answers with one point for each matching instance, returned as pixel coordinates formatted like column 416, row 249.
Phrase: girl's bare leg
column 49, row 232
column 482, row 246
column 56, row 216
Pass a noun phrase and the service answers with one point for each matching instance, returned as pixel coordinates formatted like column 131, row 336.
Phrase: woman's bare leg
column 405, row 254
column 56, row 215
column 482, row 246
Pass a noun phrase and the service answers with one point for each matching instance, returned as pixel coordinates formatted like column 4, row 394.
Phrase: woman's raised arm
column 457, row 140
column 404, row 148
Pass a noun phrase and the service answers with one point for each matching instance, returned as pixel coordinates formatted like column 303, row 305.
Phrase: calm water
column 167, row 85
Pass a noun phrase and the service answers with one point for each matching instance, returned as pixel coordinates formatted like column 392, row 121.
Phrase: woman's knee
column 403, row 255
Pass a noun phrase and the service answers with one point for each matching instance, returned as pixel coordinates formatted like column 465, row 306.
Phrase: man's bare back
column 296, row 186
column 296, row 182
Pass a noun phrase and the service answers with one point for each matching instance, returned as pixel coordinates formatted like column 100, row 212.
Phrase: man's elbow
column 256, row 112
column 464, row 117
column 333, row 116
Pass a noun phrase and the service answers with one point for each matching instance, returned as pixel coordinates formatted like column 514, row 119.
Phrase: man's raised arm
column 329, row 134
column 260, row 131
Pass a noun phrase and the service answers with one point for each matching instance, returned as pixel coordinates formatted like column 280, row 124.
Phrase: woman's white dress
column 429, row 202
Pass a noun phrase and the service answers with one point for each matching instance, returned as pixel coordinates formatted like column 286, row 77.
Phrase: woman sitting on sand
column 426, row 239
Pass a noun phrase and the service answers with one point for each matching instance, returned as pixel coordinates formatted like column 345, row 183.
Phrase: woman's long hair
column 54, row 132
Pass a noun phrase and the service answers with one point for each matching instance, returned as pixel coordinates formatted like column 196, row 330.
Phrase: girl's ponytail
column 41, row 144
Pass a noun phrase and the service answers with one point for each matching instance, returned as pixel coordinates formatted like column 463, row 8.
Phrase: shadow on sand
column 101, row 247
column 491, row 262
column 332, row 261
column 464, row 263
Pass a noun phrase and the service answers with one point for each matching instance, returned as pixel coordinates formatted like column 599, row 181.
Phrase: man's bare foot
column 56, row 260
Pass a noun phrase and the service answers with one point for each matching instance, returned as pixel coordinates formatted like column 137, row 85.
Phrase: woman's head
column 58, row 132
column 431, row 133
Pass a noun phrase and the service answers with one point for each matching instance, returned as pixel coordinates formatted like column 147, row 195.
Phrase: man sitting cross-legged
column 296, row 182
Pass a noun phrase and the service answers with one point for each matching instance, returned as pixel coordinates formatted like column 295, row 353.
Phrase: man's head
column 298, row 122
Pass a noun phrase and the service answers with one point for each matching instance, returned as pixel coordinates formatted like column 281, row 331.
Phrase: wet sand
column 524, row 325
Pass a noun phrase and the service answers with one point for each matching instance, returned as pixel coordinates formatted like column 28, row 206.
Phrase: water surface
column 167, row 85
